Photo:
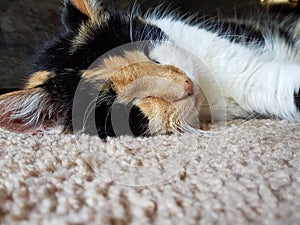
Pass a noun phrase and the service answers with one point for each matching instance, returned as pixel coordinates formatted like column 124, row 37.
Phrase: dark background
column 26, row 24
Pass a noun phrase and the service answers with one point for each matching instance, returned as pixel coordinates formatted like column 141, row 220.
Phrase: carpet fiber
column 249, row 174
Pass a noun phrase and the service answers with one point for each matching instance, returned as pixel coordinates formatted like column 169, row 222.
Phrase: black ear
column 72, row 17
column 77, row 11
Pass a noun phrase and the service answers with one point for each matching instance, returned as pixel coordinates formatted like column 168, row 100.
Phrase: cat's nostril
column 189, row 87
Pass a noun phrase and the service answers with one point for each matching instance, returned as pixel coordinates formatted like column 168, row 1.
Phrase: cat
column 186, row 73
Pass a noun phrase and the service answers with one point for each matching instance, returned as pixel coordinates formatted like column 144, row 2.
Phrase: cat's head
column 153, row 98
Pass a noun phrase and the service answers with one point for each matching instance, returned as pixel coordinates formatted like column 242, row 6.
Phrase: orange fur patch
column 141, row 80
column 136, row 71
column 98, row 17
column 37, row 79
column 92, row 9
column 81, row 5
column 156, row 106
column 162, row 115
column 112, row 64
column 135, row 76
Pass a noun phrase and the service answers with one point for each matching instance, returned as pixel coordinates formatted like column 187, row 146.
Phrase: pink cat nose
column 188, row 88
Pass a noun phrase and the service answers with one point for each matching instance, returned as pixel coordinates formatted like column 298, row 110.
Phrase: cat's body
column 254, row 76
column 190, row 73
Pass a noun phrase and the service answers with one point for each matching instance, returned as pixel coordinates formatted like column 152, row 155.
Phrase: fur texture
column 188, row 74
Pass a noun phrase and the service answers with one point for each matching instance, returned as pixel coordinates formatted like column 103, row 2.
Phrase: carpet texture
column 249, row 174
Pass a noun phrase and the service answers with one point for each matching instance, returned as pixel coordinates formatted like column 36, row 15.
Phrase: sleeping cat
column 179, row 75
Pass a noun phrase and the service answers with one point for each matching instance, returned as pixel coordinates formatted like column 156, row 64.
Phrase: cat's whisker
column 245, row 120
column 144, row 127
column 88, row 112
column 111, row 102
column 106, row 119
column 188, row 129
column 148, row 35
column 159, row 11
column 132, row 14
column 92, row 106
column 142, row 33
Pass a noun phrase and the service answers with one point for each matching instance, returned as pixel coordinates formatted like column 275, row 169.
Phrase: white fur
column 249, row 79
column 31, row 111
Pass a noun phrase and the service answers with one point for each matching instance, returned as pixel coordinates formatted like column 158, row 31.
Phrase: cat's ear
column 29, row 111
column 77, row 11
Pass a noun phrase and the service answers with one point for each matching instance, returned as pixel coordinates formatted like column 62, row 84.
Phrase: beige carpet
column 248, row 175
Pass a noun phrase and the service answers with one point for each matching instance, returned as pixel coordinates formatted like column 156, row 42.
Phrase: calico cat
column 187, row 73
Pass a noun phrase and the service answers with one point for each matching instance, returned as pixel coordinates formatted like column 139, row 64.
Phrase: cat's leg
column 272, row 90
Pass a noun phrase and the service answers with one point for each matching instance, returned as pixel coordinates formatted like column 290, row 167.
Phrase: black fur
column 56, row 54
column 72, row 17
column 62, row 88
column 297, row 99
column 235, row 30
column 127, row 118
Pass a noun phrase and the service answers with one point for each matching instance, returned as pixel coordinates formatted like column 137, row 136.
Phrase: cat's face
column 153, row 98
